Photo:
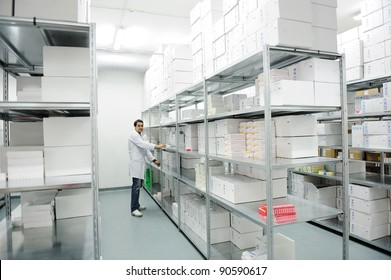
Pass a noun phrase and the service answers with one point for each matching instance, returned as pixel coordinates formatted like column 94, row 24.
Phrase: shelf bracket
column 11, row 48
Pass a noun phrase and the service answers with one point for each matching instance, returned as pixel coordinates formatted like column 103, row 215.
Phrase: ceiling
column 144, row 25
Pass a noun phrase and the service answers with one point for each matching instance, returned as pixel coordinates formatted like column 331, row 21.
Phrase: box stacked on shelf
column 258, row 173
column 242, row 189
column 298, row 184
column 326, row 195
column 215, row 104
column 191, row 137
column 215, row 168
column 350, row 43
column 244, row 232
column 282, row 212
column 29, row 89
column 296, row 136
column 25, row 165
column 232, row 101
column 234, row 145
column 255, row 138
column 373, row 134
column 169, row 162
column 188, row 163
column 329, row 134
column 362, row 97
column 38, row 208
column 369, row 212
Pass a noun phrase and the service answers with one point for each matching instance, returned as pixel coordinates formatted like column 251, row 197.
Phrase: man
column 138, row 151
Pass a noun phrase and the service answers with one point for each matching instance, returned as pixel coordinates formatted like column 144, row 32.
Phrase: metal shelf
column 276, row 162
column 195, row 120
column 334, row 224
column 167, row 207
column 191, row 184
column 358, row 149
column 305, row 210
column 170, row 124
column 227, row 251
column 366, row 179
column 192, row 153
column 49, row 183
column 195, row 239
column 368, row 83
column 352, row 117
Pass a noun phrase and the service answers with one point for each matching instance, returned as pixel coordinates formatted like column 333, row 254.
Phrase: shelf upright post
column 94, row 143
column 206, row 125
column 382, row 156
column 345, row 160
column 159, row 141
column 6, row 141
column 268, row 152
column 178, row 190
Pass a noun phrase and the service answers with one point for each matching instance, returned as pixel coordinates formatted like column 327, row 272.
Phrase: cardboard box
column 285, row 9
column 296, row 126
column 366, row 193
column 228, row 5
column 242, row 225
column 356, row 73
column 375, row 68
column 324, row 16
column 318, row 70
column 74, row 160
column 297, row 147
column 355, row 155
column 244, row 240
column 65, row 10
column 73, row 203
column 374, row 36
column 372, row 20
column 283, row 32
column 330, row 140
column 231, row 19
column 66, row 62
column 330, row 153
column 60, row 131
column 324, row 39
column 370, row 6
column 196, row 44
column 191, row 130
column 324, row 193
column 219, row 47
column 369, row 233
column 355, row 166
column 227, row 126
column 6, row 8
column 372, row 156
column 220, row 235
column 195, row 13
column 377, row 141
column 350, row 35
column 369, row 220
column 211, row 5
column 374, row 52
column 387, row 14
column 369, row 206
column 377, row 127
column 219, row 217
column 327, row 94
column 218, row 29
column 64, row 89
column 329, row 128
column 25, row 134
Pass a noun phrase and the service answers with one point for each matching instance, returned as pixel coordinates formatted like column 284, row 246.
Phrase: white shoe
column 137, row 213
column 141, row 208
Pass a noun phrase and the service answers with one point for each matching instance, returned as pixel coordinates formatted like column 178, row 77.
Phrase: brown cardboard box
column 372, row 156
column 330, row 153
column 367, row 92
column 355, row 155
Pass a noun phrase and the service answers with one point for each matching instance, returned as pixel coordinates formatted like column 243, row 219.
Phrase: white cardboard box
column 66, row 10
column 297, row 147
column 314, row 193
column 330, row 3
column 387, row 14
column 350, row 35
column 74, row 160
column 60, row 131
column 330, row 140
column 374, row 52
column 242, row 225
column 370, row 6
column 283, row 32
column 327, row 94
column 377, row 127
column 375, row 68
column 366, row 193
column 372, row 20
column 73, row 203
column 219, row 47
column 369, row 233
column 244, row 240
column 195, row 13
column 295, row 126
column 318, row 70
column 64, row 89
column 66, row 62
column 231, row 19
column 28, row 83
column 356, row 73
column 26, row 134
column 355, row 166
column 6, row 8
column 329, row 128
column 324, row 39
column 369, row 220
column 227, row 126
column 324, row 16
column 374, row 36
column 377, row 141
column 300, row 10
column 369, row 206
column 219, row 235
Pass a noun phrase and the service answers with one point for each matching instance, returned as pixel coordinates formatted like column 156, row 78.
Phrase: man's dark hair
column 137, row 121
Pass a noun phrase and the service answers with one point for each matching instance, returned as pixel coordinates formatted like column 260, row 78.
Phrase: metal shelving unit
column 241, row 75
column 21, row 47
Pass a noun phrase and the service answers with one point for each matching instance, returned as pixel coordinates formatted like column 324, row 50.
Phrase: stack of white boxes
column 73, row 203
column 169, row 162
column 25, row 165
column 369, row 212
column 28, row 89
column 168, row 186
column 234, row 145
column 376, row 27
column 351, row 45
column 154, row 81
column 70, row 140
column 373, row 134
column 215, row 168
column 232, row 101
column 296, row 136
column 244, row 232
column 222, row 129
column 189, row 114
column 191, row 137
column 38, row 208
column 255, row 139
column 188, row 163
column 329, row 134
column 211, row 137
column 215, row 104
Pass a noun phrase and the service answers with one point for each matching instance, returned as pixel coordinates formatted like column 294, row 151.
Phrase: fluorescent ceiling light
column 118, row 38
column 358, row 17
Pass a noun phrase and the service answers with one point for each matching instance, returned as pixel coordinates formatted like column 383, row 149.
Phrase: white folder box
column 369, row 206
column 366, row 193
column 66, row 161
column 290, row 92
column 244, row 240
column 295, row 126
column 26, row 134
column 65, row 89
column 60, row 131
column 329, row 128
column 292, row 33
column 374, row 52
column 297, row 147
column 369, row 6
column 377, row 127
column 374, row 36
column 243, row 225
column 324, row 16
column 66, row 62
column 330, row 140
column 377, row 141
column 327, row 94
column 300, row 10
column 369, row 233
column 28, row 83
column 375, row 68
column 324, row 39
column 318, row 70
column 372, row 20
column 73, row 203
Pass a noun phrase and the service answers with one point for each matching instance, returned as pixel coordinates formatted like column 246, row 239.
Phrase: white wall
column 120, row 95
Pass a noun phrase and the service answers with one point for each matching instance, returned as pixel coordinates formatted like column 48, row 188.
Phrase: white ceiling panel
column 177, row 8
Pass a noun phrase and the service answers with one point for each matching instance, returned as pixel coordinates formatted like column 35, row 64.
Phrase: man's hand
column 157, row 163
column 160, row 146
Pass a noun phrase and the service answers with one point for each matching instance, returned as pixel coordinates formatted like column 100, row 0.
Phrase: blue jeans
column 137, row 183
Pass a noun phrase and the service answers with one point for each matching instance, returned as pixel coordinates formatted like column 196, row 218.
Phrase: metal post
column 94, row 143
column 178, row 164
column 345, row 160
column 207, row 197
column 160, row 172
column 268, row 152
column 382, row 156
column 6, row 139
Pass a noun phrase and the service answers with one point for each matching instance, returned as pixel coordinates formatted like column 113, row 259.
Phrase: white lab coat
column 138, row 151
